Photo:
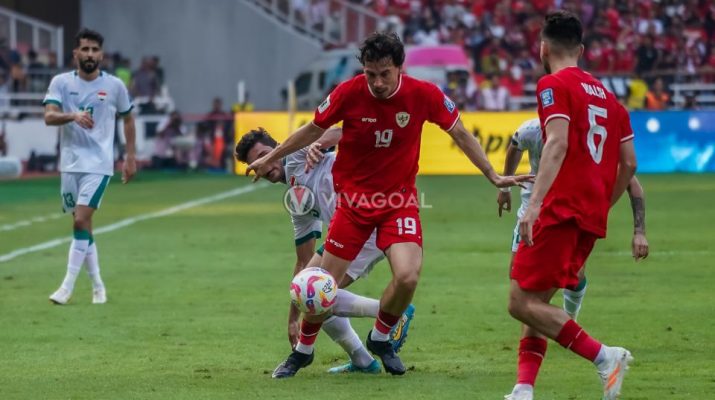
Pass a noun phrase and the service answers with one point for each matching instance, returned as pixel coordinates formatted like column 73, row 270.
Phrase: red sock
column 531, row 352
column 573, row 337
column 385, row 322
column 309, row 332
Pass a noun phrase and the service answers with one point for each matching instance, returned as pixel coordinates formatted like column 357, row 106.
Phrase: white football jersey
column 320, row 182
column 89, row 150
column 528, row 138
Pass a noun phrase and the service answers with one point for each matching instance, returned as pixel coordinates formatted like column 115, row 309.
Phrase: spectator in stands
column 123, row 70
column 495, row 97
column 164, row 155
column 637, row 90
column 18, row 77
column 691, row 101
column 648, row 55
column 657, row 98
column 218, row 125
column 318, row 13
column 3, row 145
column 145, row 86
column 36, row 73
column 145, row 82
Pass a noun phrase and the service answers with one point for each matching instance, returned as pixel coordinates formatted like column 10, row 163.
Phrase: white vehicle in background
column 430, row 63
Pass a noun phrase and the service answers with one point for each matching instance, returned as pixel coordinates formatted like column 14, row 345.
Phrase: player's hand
column 129, row 169
column 84, row 119
column 504, row 201
column 293, row 333
column 639, row 246
column 526, row 224
column 260, row 167
column 508, row 181
column 315, row 155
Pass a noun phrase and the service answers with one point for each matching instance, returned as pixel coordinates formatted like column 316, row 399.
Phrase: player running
column 587, row 161
column 374, row 174
column 310, row 171
column 532, row 349
column 87, row 102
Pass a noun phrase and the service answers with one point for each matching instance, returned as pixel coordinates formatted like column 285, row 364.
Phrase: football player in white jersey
column 310, row 200
column 528, row 138
column 86, row 103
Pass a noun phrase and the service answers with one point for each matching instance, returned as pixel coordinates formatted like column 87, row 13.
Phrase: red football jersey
column 380, row 146
column 598, row 124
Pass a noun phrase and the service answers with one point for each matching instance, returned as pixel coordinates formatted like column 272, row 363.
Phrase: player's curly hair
column 381, row 45
column 564, row 29
column 249, row 140
column 88, row 34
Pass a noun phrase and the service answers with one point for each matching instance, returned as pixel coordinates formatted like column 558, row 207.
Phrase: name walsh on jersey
column 594, row 90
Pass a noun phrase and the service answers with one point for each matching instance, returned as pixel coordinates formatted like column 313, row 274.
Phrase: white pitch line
column 129, row 221
column 28, row 222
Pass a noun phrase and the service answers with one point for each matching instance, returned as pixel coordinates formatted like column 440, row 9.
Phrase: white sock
column 601, row 357
column 522, row 387
column 378, row 336
column 304, row 348
column 573, row 300
column 92, row 263
column 339, row 329
column 351, row 305
column 77, row 254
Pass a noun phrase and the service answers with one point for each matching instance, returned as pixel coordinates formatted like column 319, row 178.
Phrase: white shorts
column 82, row 189
column 515, row 238
column 365, row 261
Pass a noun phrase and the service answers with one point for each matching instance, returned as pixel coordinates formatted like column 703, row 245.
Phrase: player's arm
column 55, row 117
column 513, row 157
column 331, row 137
column 626, row 169
column 552, row 157
column 302, row 137
column 303, row 252
column 130, row 165
column 639, row 245
column 473, row 150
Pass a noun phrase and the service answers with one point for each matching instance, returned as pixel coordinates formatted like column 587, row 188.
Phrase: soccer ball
column 313, row 291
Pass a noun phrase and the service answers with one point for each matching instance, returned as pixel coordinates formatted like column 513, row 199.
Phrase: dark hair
column 381, row 45
column 563, row 29
column 89, row 35
column 249, row 140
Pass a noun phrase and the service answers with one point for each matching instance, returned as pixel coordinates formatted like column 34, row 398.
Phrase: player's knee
column 516, row 308
column 407, row 281
column 81, row 223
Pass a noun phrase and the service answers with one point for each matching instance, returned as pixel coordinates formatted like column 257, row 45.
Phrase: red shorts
column 558, row 253
column 351, row 227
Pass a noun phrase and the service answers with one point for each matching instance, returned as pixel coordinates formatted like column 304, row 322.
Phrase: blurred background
column 201, row 72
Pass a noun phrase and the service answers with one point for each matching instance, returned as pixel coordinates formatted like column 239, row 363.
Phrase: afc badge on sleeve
column 324, row 105
column 449, row 104
column 547, row 97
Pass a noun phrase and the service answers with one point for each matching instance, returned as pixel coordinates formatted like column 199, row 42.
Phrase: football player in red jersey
column 586, row 163
column 374, row 173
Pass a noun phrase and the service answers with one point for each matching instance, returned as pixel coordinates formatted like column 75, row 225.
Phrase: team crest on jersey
column 547, row 97
column 402, row 119
column 324, row 105
column 102, row 95
column 449, row 104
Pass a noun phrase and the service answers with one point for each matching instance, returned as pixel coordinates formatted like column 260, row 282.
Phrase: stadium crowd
column 643, row 40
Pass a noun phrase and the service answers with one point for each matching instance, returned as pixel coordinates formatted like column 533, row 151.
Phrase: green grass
column 198, row 299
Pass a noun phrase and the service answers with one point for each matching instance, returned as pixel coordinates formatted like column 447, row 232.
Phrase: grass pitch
column 198, row 298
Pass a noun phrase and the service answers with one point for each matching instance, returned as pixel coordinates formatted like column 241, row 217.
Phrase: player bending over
column 310, row 170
